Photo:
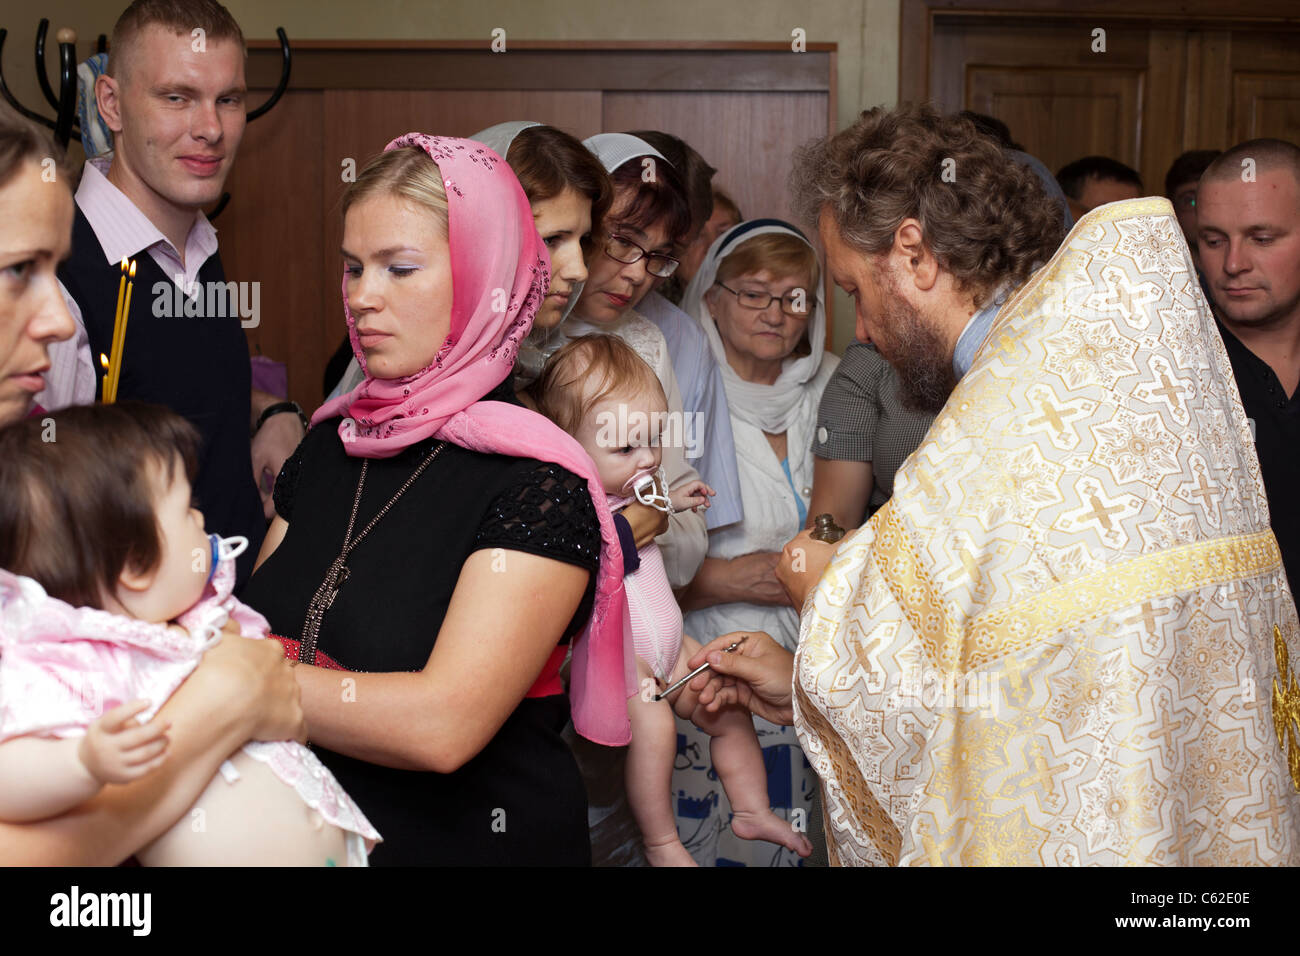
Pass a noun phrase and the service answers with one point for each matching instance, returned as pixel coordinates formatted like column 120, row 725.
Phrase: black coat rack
column 65, row 124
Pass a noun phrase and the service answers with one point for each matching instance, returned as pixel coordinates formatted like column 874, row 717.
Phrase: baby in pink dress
column 601, row 392
column 104, row 550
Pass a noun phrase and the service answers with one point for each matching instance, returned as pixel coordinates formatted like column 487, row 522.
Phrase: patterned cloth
column 772, row 517
column 704, row 813
column 96, row 137
column 1067, row 637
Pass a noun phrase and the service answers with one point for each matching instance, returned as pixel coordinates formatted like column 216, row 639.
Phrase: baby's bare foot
column 766, row 825
column 669, row 854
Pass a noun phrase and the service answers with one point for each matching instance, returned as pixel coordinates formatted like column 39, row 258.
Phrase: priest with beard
column 1067, row 638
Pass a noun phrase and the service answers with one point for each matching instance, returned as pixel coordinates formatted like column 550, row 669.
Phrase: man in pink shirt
column 173, row 95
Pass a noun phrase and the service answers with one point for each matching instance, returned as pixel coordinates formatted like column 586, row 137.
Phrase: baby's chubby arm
column 43, row 777
column 693, row 494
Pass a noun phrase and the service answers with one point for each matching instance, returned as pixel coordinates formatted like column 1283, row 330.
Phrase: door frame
column 917, row 20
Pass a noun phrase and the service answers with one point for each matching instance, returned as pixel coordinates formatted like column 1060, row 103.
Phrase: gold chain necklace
column 337, row 575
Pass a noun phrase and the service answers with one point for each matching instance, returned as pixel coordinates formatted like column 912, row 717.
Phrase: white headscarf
column 498, row 138
column 773, row 407
column 615, row 149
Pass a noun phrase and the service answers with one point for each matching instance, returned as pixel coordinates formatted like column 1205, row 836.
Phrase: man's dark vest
column 196, row 366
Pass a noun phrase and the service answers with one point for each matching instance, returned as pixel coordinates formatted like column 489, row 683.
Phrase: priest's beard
column 918, row 354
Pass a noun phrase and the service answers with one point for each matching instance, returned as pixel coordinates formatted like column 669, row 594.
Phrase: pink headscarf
column 495, row 250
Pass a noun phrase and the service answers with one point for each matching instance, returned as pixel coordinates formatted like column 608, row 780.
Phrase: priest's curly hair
column 985, row 217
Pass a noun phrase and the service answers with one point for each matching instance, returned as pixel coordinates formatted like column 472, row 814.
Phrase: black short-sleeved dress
column 521, row 801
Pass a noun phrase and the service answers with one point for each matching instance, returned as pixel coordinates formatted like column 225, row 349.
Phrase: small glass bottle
column 825, row 529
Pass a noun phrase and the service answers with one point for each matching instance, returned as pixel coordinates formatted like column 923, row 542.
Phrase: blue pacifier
column 223, row 548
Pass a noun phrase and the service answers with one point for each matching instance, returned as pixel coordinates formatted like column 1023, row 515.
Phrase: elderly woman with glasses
column 757, row 296
column 646, row 222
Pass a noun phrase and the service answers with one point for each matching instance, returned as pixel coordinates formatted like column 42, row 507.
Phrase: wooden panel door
column 1199, row 74
column 1065, row 91
column 1060, row 115
column 1265, row 71
column 270, row 234
column 1265, row 104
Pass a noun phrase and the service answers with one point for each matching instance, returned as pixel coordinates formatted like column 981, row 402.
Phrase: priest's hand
column 803, row 560
column 758, row 675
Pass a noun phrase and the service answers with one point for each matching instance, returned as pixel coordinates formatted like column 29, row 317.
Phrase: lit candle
column 119, row 331
column 111, row 367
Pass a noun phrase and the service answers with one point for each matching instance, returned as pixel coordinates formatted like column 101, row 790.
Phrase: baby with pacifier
column 602, row 393
column 111, row 593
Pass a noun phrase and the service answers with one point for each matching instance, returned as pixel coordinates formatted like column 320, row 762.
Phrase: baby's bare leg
column 257, row 821
column 738, row 760
column 649, row 773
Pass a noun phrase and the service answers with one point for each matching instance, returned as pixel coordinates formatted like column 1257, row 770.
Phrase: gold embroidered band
column 1005, row 630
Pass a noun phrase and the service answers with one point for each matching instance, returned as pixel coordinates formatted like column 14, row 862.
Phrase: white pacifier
column 643, row 487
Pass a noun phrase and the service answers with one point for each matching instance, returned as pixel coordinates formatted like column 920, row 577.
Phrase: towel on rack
column 96, row 137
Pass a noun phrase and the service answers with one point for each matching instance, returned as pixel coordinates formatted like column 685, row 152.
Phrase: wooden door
column 1139, row 81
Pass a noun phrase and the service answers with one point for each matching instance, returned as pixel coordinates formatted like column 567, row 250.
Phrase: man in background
column 1248, row 231
column 173, row 96
column 724, row 215
column 1096, row 180
column 1180, row 189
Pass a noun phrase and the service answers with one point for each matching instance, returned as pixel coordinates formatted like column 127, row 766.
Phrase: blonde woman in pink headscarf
column 437, row 546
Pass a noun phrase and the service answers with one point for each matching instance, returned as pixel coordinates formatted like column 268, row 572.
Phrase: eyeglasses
column 1185, row 201
column 793, row 304
column 624, row 250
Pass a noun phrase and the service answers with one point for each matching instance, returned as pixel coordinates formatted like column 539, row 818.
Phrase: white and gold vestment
column 1067, row 639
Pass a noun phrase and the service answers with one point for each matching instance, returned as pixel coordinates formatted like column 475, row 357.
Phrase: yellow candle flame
column 124, row 261
column 132, row 268
column 103, row 360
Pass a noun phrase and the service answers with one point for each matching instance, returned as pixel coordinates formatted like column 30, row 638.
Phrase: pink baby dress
column 62, row 667
column 653, row 613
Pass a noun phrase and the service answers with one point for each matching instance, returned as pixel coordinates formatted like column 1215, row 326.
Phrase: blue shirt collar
column 976, row 331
